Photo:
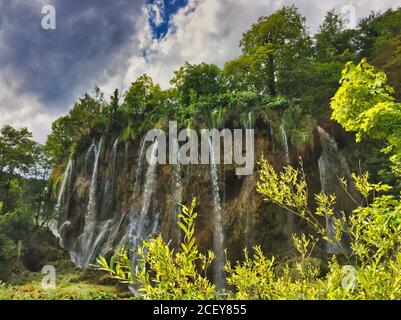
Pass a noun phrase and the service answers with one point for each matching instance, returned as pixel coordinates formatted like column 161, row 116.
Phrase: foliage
column 373, row 229
column 289, row 190
column 364, row 104
column 195, row 81
column 88, row 116
column 379, row 41
column 16, row 150
column 333, row 38
column 71, row 284
column 299, row 127
column 162, row 273
column 260, row 278
column 141, row 98
column 268, row 64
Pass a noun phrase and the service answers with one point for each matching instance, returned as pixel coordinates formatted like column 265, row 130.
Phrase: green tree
column 365, row 104
column 198, row 80
column 88, row 116
column 17, row 156
column 276, row 48
column 334, row 45
column 333, row 39
column 142, row 97
column 378, row 40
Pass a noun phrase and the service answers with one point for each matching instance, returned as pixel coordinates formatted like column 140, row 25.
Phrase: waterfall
column 62, row 201
column 271, row 131
column 126, row 153
column 66, row 178
column 132, row 218
column 109, row 186
column 218, row 236
column 88, row 153
column 249, row 120
column 271, row 134
column 138, row 225
column 284, row 143
column 176, row 205
column 139, row 169
column 85, row 240
column 331, row 248
column 113, row 224
column 332, row 165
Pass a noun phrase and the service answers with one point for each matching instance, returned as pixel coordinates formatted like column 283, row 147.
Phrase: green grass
column 71, row 284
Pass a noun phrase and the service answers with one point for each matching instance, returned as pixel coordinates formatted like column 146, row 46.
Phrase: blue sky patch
column 160, row 13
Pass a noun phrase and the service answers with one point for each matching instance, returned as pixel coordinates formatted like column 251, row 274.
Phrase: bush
column 372, row 260
column 162, row 273
column 8, row 254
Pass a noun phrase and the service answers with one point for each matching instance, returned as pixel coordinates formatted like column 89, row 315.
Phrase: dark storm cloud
column 91, row 40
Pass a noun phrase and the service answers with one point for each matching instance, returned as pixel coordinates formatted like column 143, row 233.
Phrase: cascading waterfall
column 132, row 218
column 126, row 153
column 88, row 153
column 218, row 236
column 107, row 205
column 176, row 206
column 62, row 202
column 331, row 248
column 284, row 143
column 139, row 169
column 250, row 120
column 247, row 229
column 109, row 186
column 64, row 185
column 137, row 232
column 271, row 131
column 84, row 251
column 332, row 164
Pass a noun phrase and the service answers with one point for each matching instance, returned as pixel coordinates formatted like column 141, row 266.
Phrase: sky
column 110, row 43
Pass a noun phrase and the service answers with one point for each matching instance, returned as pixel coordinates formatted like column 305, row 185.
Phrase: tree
column 87, row 117
column 365, row 104
column 17, row 156
column 16, row 150
column 198, row 80
column 276, row 48
column 333, row 47
column 60, row 139
column 38, row 192
column 142, row 97
column 376, row 27
column 333, row 39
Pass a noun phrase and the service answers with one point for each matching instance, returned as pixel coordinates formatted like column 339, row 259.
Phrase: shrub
column 163, row 273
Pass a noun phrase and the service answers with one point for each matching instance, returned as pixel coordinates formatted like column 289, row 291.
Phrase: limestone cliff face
column 111, row 196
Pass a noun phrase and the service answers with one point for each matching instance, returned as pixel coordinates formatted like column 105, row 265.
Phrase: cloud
column 210, row 31
column 52, row 68
column 111, row 43
column 23, row 109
